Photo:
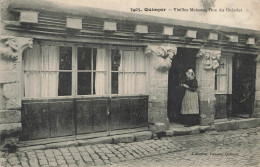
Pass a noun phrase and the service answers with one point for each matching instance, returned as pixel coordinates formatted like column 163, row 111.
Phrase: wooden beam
column 167, row 30
column 233, row 38
column 74, row 23
column 250, row 41
column 191, row 34
column 141, row 29
column 28, row 17
column 213, row 36
column 109, row 26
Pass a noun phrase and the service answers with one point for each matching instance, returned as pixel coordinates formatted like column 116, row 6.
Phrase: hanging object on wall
column 211, row 58
column 163, row 55
column 10, row 46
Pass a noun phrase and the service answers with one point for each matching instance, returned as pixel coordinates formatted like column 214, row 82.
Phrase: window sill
column 222, row 93
column 82, row 96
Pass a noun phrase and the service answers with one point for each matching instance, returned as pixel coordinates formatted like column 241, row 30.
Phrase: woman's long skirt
column 190, row 103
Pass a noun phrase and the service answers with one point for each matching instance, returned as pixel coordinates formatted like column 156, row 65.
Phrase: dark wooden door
column 243, row 86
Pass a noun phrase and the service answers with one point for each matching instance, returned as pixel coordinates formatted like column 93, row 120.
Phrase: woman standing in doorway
column 190, row 100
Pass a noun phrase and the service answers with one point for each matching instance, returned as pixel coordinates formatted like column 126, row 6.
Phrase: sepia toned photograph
column 129, row 83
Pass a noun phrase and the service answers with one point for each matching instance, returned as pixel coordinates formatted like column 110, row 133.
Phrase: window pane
column 84, row 58
column 222, row 69
column 114, row 85
column 140, row 61
column 221, row 83
column 50, row 58
column 140, row 83
column 84, row 83
column 129, row 83
column 65, row 58
column 64, row 84
column 49, row 84
column 115, row 60
column 32, row 84
column 129, row 61
column 94, row 58
column 99, row 86
column 32, row 58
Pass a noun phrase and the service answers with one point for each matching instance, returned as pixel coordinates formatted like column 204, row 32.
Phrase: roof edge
column 48, row 6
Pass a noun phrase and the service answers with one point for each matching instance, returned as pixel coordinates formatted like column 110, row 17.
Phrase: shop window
column 128, row 72
column 47, row 71
column 223, row 76
column 53, row 70
column 92, row 71
column 65, row 77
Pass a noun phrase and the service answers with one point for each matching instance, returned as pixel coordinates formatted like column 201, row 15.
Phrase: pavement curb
column 147, row 135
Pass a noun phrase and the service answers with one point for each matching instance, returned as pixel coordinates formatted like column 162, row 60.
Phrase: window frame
column 228, row 90
column 74, row 69
column 124, row 72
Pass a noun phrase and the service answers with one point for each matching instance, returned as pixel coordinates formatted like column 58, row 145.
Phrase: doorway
column 243, row 88
column 184, row 60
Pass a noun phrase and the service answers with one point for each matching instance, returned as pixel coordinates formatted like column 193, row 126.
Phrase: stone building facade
column 158, row 40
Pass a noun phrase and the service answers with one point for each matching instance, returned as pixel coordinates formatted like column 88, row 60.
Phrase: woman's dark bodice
column 193, row 84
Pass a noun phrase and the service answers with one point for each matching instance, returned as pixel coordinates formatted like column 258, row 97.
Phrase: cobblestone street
column 231, row 148
column 240, row 149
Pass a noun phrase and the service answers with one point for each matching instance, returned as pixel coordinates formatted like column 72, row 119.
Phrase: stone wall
column 160, row 59
column 205, row 74
column 10, row 102
column 11, row 49
column 256, row 112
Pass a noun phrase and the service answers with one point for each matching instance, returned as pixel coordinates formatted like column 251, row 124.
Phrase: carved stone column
column 160, row 60
column 207, row 62
column 11, row 49
column 256, row 112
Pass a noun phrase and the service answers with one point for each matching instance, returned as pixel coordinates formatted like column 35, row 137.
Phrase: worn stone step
column 237, row 124
column 83, row 140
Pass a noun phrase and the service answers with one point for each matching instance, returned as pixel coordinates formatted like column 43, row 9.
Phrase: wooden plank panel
column 100, row 117
column 84, row 116
column 221, row 106
column 61, row 118
column 119, row 113
column 138, row 112
column 35, row 120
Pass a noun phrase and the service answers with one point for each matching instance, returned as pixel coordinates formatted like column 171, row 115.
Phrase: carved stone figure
column 163, row 55
column 10, row 46
column 210, row 58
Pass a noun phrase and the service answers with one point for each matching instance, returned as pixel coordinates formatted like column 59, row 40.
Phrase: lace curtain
column 101, row 68
column 41, row 76
column 40, row 71
column 133, row 80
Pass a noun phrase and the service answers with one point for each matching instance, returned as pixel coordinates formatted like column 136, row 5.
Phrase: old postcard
column 129, row 83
